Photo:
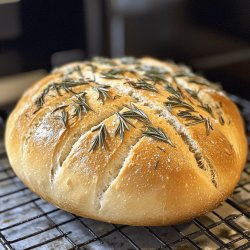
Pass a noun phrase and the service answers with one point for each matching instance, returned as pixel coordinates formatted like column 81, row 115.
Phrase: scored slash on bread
column 128, row 141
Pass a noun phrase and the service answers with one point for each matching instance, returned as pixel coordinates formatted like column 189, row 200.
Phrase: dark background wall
column 211, row 36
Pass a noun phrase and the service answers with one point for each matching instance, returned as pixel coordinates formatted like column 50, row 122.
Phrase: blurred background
column 212, row 36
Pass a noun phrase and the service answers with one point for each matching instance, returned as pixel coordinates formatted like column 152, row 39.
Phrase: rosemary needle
column 63, row 117
column 142, row 84
column 134, row 112
column 123, row 125
column 102, row 92
column 158, row 134
column 100, row 138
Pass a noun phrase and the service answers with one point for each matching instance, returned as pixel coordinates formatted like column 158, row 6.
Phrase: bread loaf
column 128, row 141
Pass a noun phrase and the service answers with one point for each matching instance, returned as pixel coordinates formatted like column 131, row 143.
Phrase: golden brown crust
column 131, row 141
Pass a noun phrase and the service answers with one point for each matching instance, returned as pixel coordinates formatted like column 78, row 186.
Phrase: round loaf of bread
column 128, row 141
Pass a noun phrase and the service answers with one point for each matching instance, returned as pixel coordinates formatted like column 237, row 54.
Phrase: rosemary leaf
column 59, row 107
column 152, row 69
column 56, row 87
column 191, row 78
column 198, row 80
column 195, row 120
column 63, row 117
column 79, row 71
column 185, row 113
column 221, row 119
column 102, row 92
column 192, row 120
column 136, row 113
column 193, row 94
column 207, row 108
column 208, row 125
column 142, row 84
column 155, row 77
column 66, row 85
column 202, row 81
column 158, row 133
column 153, row 73
column 113, row 74
column 100, row 138
column 81, row 104
column 174, row 102
column 93, row 67
column 77, row 111
column 123, row 125
column 176, row 92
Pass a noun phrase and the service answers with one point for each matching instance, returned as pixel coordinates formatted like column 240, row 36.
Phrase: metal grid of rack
column 28, row 222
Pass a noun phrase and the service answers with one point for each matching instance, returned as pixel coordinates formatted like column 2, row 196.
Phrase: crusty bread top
column 131, row 132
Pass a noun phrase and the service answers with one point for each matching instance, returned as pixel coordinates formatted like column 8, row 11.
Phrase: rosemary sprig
column 104, row 61
column 193, row 93
column 208, row 125
column 59, row 107
column 174, row 102
column 136, row 113
column 221, row 119
column 123, row 125
column 71, row 70
column 93, row 67
column 113, row 74
column 102, row 92
column 63, row 117
column 81, row 104
column 192, row 78
column 176, row 92
column 153, row 73
column 185, row 113
column 192, row 119
column 152, row 69
column 79, row 71
column 207, row 108
column 156, row 77
column 66, row 85
column 158, row 133
column 142, row 84
column 77, row 111
column 100, row 138
column 198, row 80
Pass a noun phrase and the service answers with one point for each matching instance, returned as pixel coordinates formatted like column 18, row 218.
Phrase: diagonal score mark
column 172, row 120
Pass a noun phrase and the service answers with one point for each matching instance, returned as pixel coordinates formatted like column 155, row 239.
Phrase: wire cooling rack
column 28, row 222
